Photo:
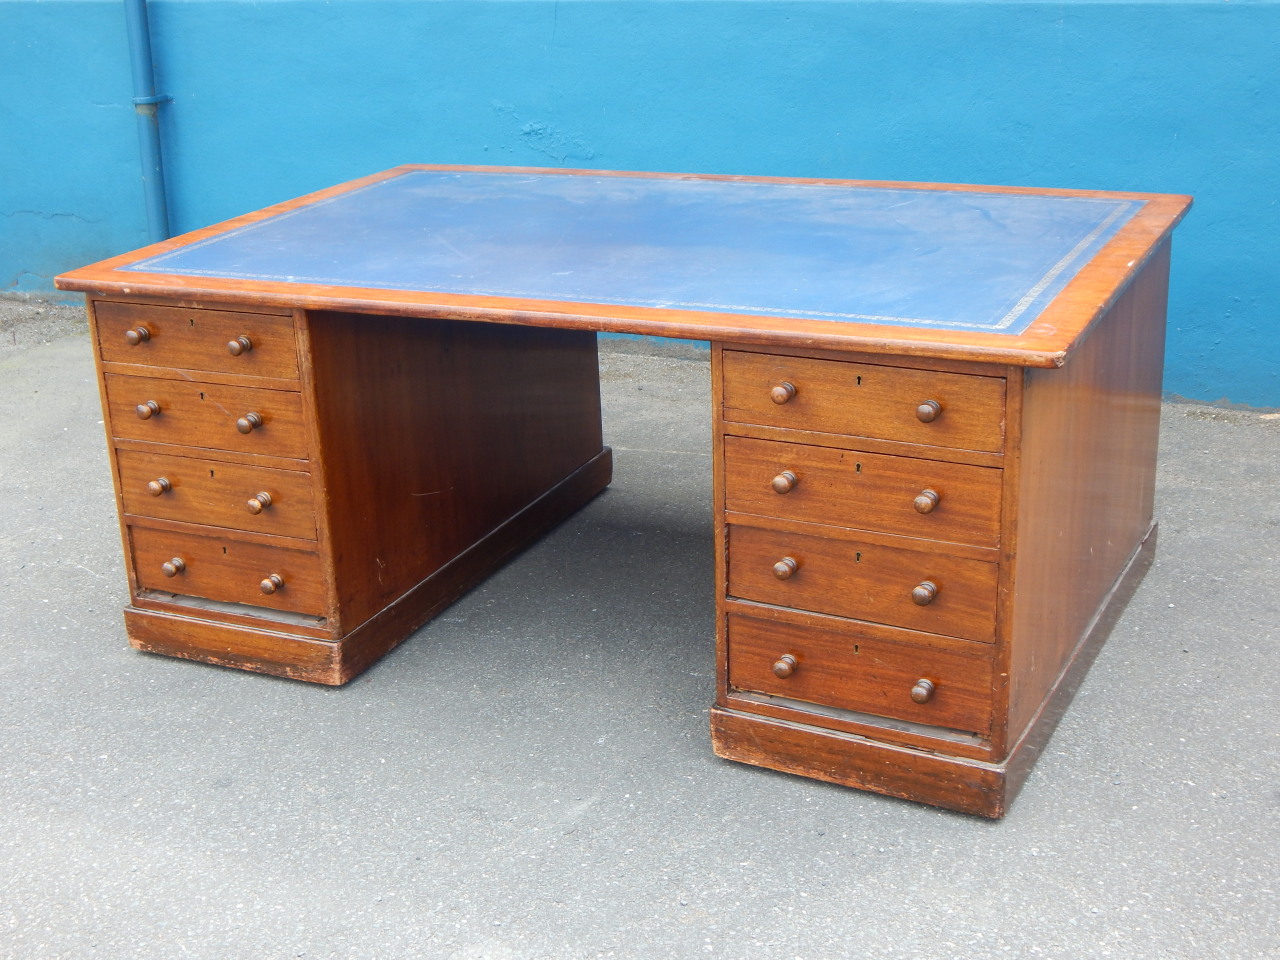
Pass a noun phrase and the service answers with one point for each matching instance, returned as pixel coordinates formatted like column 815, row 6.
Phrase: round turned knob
column 782, row 392
column 259, row 502
column 929, row 411
column 785, row 666
column 785, row 568
column 137, row 335
column 171, row 568
column 147, row 410
column 784, row 482
column 922, row 692
column 924, row 593
column 239, row 345
column 159, row 486
column 926, row 500
column 249, row 422
column 272, row 583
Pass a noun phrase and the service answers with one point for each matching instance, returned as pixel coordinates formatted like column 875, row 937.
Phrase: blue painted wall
column 273, row 99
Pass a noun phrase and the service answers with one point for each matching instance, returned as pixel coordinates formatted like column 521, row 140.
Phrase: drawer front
column 928, row 499
column 864, row 400
column 206, row 415
column 864, row 581
column 197, row 339
column 841, row 668
column 218, row 494
column 220, row 568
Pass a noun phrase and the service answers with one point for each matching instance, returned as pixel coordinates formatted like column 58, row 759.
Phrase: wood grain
column 868, row 491
column 217, row 493
column 196, row 339
column 1086, row 445
column 843, row 667
column 864, row 581
column 204, row 415
column 856, row 399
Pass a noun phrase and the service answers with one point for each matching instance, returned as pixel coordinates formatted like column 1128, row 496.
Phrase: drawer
column 197, row 339
column 206, row 415
column 218, row 494
column 929, row 499
column 841, row 668
column 864, row 581
column 864, row 400
column 220, row 568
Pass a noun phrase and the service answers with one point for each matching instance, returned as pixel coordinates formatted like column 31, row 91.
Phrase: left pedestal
column 301, row 490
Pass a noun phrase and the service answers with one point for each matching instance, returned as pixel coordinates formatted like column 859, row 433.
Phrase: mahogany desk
column 935, row 414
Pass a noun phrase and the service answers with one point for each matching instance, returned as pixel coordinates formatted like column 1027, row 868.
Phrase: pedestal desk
column 935, row 415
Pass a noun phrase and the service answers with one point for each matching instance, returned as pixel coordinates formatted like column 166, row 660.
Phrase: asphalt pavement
column 530, row 775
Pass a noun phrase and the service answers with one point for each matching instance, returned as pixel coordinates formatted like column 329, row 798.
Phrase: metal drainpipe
column 146, row 102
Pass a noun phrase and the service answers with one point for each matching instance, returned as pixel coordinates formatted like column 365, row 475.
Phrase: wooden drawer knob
column 924, row 593
column 259, row 502
column 249, row 422
column 239, row 345
column 782, row 392
column 785, row 568
column 785, row 666
column 784, row 482
column 922, row 692
column 272, row 584
column 926, row 500
column 929, row 411
column 147, row 410
column 137, row 335
column 159, row 486
column 171, row 568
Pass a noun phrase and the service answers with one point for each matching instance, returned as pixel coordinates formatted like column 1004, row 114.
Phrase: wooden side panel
column 433, row 433
column 1087, row 451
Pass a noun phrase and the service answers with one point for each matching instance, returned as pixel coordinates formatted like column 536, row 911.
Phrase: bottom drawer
column 840, row 667
column 219, row 568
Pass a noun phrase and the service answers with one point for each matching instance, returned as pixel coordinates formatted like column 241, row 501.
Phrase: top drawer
column 224, row 341
column 865, row 400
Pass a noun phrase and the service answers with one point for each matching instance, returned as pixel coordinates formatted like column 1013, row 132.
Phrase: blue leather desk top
column 942, row 259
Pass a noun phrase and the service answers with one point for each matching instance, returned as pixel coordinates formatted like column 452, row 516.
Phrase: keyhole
column 855, row 648
column 857, row 468
column 857, row 557
column 859, row 381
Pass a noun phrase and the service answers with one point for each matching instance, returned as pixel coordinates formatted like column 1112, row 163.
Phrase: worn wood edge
column 1045, row 343
column 1033, row 740
column 231, row 645
column 953, row 783
column 394, row 623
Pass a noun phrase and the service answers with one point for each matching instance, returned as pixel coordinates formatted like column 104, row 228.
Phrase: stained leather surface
column 930, row 258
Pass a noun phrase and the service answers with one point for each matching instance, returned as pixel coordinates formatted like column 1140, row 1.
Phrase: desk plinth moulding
column 935, row 423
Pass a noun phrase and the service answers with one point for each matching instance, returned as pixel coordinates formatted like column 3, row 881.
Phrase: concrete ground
column 530, row 775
